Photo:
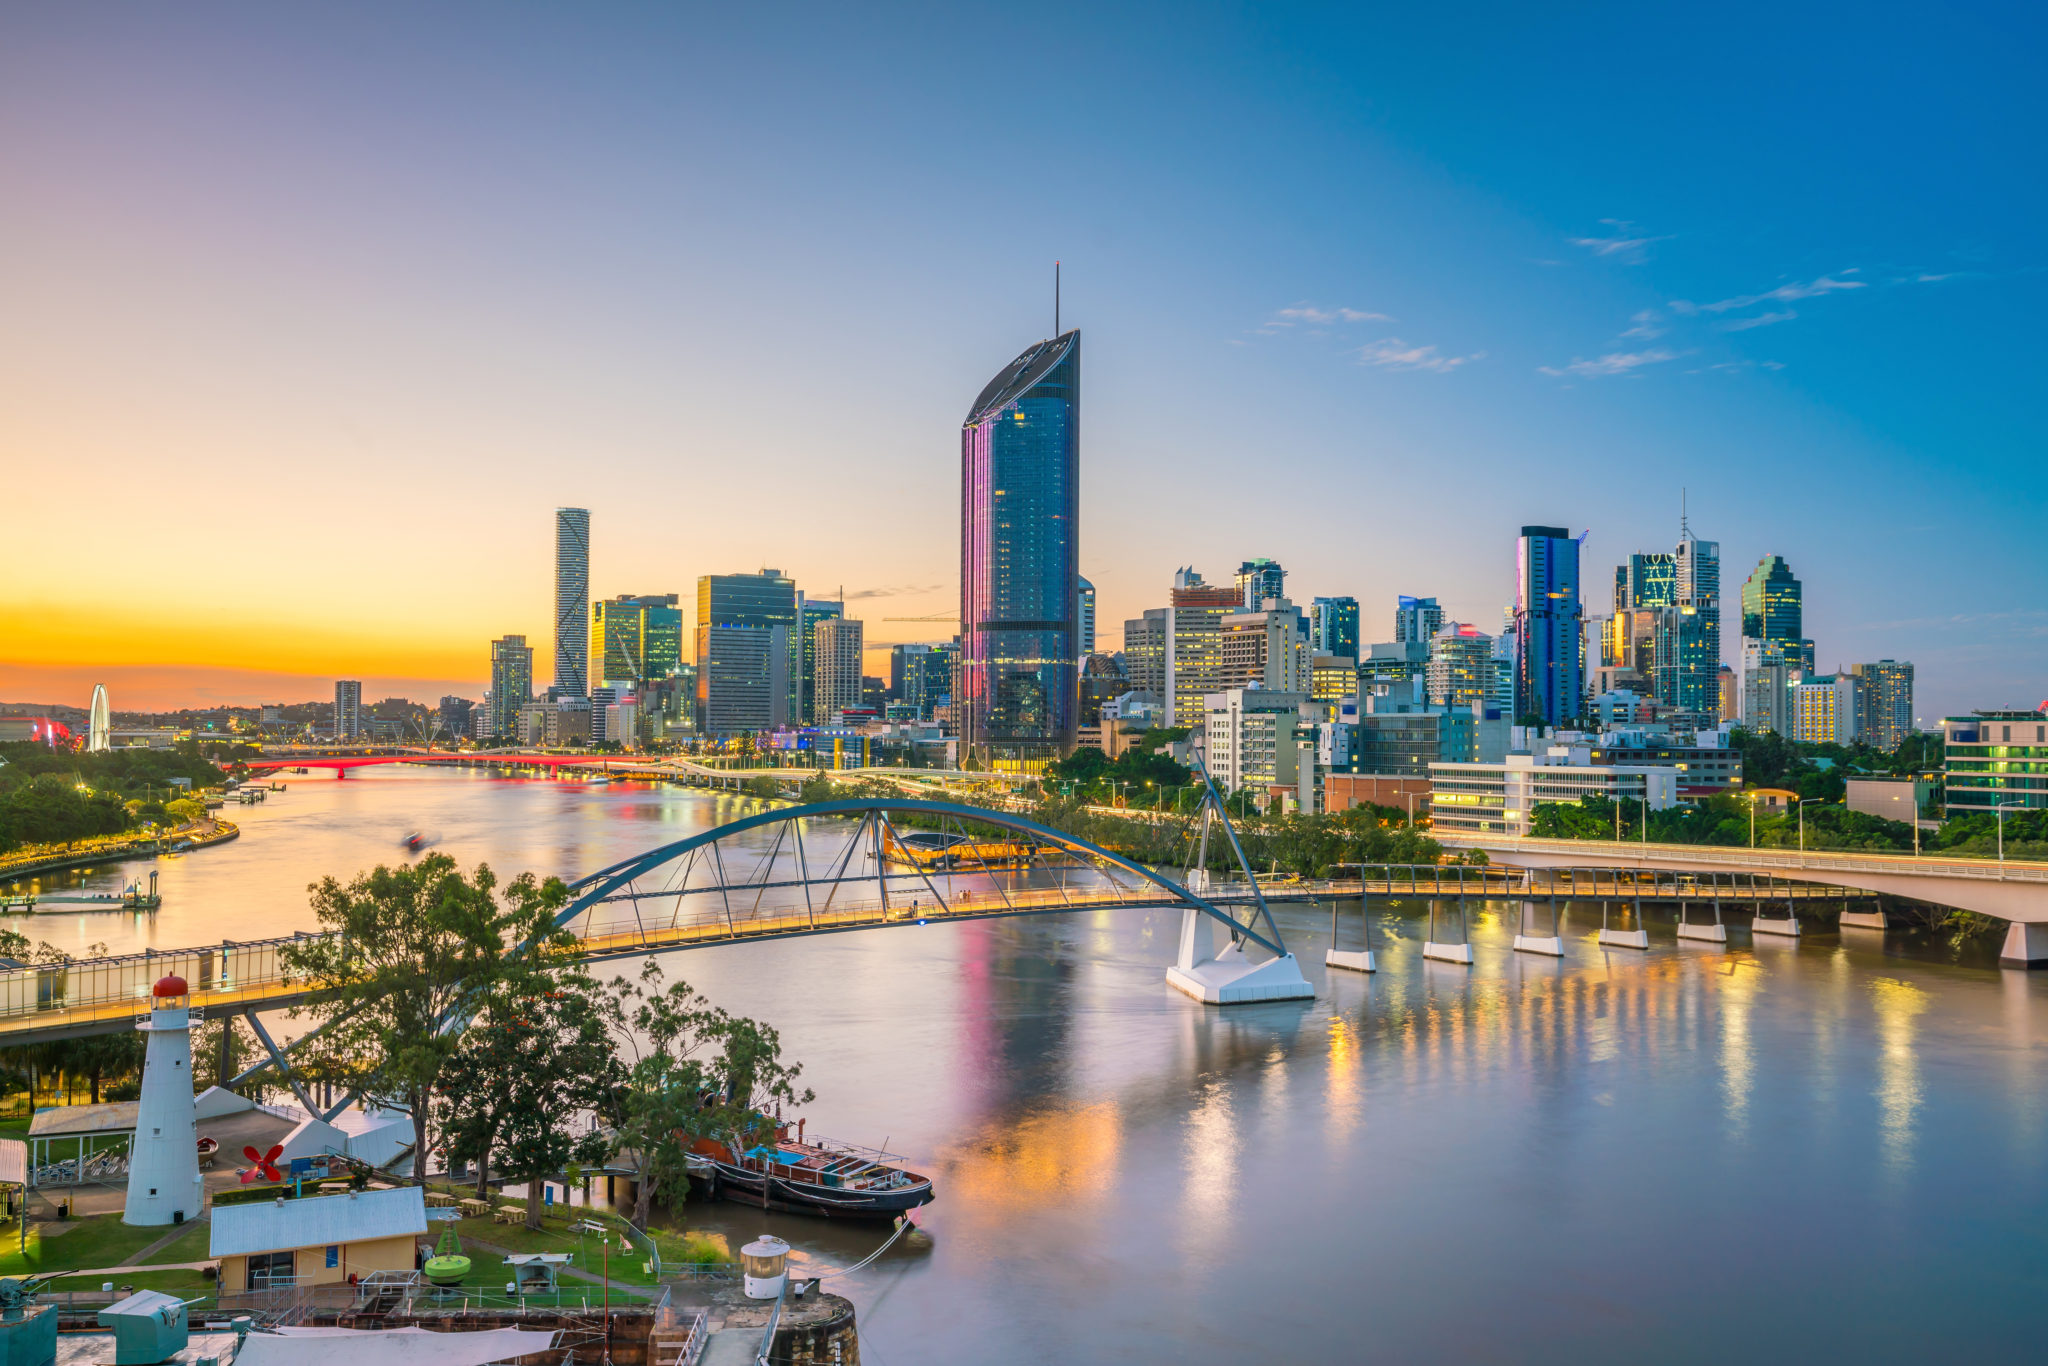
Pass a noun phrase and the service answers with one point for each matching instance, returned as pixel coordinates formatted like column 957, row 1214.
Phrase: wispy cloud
column 1648, row 326
column 1315, row 316
column 1613, row 363
column 1736, row 367
column 1783, row 294
column 1391, row 353
column 905, row 591
column 1624, row 242
column 1760, row 320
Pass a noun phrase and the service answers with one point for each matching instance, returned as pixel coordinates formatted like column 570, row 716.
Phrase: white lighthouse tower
column 163, row 1167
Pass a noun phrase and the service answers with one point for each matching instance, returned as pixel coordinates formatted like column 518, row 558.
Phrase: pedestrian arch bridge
column 791, row 872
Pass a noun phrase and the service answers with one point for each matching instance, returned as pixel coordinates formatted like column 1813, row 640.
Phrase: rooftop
column 1020, row 374
column 317, row 1221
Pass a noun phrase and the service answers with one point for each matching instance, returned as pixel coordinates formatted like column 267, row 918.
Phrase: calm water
column 1686, row 1155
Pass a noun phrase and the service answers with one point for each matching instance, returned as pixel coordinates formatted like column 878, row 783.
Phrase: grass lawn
column 184, row 1284
column 101, row 1240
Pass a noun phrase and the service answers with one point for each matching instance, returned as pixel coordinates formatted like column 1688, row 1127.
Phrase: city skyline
column 370, row 333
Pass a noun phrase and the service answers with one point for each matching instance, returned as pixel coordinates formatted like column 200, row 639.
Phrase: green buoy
column 446, row 1268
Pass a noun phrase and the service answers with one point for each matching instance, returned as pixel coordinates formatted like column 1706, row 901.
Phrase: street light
column 2000, row 808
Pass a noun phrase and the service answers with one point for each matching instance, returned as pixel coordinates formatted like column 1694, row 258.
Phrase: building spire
column 1055, row 300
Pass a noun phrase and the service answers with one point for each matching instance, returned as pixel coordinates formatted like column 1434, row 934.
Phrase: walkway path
column 177, row 1231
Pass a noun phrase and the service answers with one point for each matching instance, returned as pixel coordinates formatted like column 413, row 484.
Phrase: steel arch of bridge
column 607, row 883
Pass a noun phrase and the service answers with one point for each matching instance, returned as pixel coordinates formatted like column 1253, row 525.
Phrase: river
column 1835, row 1149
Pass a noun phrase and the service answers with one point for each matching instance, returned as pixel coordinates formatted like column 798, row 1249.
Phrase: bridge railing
column 214, row 973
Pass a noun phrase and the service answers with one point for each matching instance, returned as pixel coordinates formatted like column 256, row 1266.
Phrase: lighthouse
column 163, row 1166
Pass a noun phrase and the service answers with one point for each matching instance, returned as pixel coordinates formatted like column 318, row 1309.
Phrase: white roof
column 389, row 1347
column 317, row 1221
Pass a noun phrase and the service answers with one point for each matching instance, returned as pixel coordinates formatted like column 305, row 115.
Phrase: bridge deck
column 91, row 996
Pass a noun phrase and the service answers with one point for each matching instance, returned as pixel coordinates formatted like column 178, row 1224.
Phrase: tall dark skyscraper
column 1773, row 605
column 1548, row 625
column 1333, row 626
column 572, row 602
column 1020, row 504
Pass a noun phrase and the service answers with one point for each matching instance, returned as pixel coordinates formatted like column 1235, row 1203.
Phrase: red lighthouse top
column 172, row 985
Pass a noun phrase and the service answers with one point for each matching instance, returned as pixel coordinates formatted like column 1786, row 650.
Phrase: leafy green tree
column 533, row 1062
column 408, row 952
column 691, row 1071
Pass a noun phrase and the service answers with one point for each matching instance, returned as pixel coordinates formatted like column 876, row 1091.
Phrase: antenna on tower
column 1055, row 300
column 1682, row 527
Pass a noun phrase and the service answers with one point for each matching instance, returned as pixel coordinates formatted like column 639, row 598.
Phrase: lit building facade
column 1821, row 709
column 348, row 709
column 803, row 663
column 1887, row 716
column 1084, row 612
column 1416, row 619
column 1020, row 484
column 572, row 602
column 1549, row 621
column 1333, row 627
column 1462, row 668
column 511, row 684
column 1995, row 760
column 1194, row 645
column 636, row 638
column 1773, row 606
column 1696, row 580
column 1257, row 739
column 1264, row 648
column 1482, row 799
column 835, row 667
column 744, row 625
column 1145, row 651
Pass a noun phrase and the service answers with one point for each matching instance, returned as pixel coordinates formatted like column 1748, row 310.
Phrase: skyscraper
column 1416, row 619
column 1549, row 657
column 1084, row 612
column 1145, row 651
column 636, row 639
column 348, row 709
column 1258, row 580
column 99, row 725
column 572, row 602
column 1461, row 667
column 835, row 664
column 1696, row 584
column 1194, row 645
column 1887, row 713
column 511, row 684
column 1333, row 627
column 744, row 622
column 1020, row 485
column 804, row 657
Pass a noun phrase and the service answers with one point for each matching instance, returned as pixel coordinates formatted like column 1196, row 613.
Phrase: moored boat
column 778, row 1170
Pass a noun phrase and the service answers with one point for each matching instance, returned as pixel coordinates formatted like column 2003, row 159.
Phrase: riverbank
column 91, row 853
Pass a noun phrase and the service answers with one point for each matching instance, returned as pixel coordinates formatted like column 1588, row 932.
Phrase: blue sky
column 1364, row 289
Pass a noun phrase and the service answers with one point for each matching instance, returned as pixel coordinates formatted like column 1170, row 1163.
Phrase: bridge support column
column 1716, row 933
column 1227, row 977
column 1637, row 938
column 1460, row 952
column 1864, row 920
column 1551, row 944
column 2026, row 946
column 1356, row 960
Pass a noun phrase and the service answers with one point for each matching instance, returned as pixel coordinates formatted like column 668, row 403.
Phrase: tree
column 690, row 1071
column 531, row 1063
column 410, row 953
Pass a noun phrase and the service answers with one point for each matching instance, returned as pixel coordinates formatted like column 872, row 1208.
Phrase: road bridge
column 2008, row 890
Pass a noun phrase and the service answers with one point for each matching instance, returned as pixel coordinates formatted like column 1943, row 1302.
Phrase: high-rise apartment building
column 636, row 638
column 1264, row 648
column 803, row 663
column 835, row 668
column 1766, row 683
column 1194, row 645
column 1084, row 612
column 1145, row 651
column 511, row 683
column 1333, row 627
column 572, row 602
column 348, row 709
column 1020, row 484
column 1258, row 580
column 1824, row 709
column 1416, row 619
column 1995, row 760
column 744, row 622
column 1887, row 715
column 1462, row 668
column 1549, row 621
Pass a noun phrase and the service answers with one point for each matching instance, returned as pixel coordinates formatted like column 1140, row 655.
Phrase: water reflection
column 1898, row 1006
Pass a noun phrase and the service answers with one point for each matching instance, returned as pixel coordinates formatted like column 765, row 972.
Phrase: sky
column 314, row 314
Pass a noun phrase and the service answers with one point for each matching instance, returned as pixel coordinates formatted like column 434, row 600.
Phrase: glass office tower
column 1020, row 492
column 636, row 638
column 1548, row 625
column 1333, row 626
